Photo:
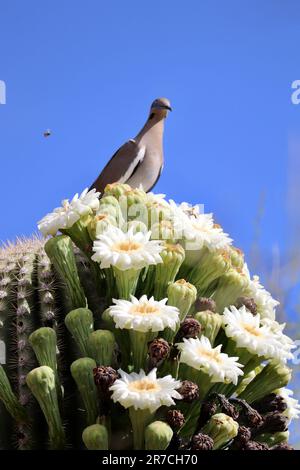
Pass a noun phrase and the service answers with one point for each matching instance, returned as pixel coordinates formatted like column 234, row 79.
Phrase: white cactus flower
column 142, row 391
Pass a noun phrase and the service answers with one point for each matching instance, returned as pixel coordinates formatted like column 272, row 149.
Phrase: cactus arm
column 60, row 252
column 10, row 400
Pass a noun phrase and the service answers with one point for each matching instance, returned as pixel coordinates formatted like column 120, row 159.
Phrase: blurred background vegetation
column 279, row 268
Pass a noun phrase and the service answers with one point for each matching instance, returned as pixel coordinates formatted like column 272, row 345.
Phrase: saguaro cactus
column 135, row 323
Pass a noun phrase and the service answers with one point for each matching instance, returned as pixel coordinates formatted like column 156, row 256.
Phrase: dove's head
column 160, row 107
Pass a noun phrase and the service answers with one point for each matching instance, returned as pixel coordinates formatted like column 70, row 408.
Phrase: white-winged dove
column 140, row 160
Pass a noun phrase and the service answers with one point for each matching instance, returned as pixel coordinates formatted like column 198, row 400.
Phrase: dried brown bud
column 208, row 409
column 248, row 415
column 189, row 391
column 274, row 422
column 282, row 446
column 226, row 406
column 270, row 402
column 158, row 351
column 253, row 445
column 201, row 442
column 175, row 443
column 205, row 303
column 249, row 304
column 189, row 328
column 104, row 378
column 243, row 436
column 175, row 419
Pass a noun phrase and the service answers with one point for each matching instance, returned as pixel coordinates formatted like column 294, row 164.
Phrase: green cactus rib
column 23, row 360
column 10, row 400
column 31, row 295
column 7, row 273
column 47, row 291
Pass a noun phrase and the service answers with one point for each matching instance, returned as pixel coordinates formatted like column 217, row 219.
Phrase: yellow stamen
column 253, row 330
column 214, row 355
column 144, row 309
column 144, row 385
column 127, row 246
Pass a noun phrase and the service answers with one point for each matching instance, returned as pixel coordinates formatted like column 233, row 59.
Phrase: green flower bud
column 79, row 234
column 210, row 324
column 221, row 428
column 163, row 230
column 211, row 266
column 102, row 346
column 132, row 197
column 82, row 373
column 236, row 257
column 133, row 206
column 181, row 294
column 9, row 399
column 109, row 205
column 273, row 376
column 159, row 212
column 95, row 437
column 41, row 382
column 44, row 344
column 99, row 223
column 108, row 320
column 108, row 201
column 158, row 436
column 230, row 287
column 166, row 272
column 135, row 225
column 80, row 324
column 60, row 251
column 116, row 189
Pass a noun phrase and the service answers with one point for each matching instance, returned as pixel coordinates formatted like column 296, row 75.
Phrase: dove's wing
column 121, row 166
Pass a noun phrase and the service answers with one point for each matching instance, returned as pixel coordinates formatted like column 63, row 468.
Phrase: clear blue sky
column 88, row 70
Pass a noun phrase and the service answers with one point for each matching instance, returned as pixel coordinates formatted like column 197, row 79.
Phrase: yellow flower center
column 214, row 355
column 253, row 330
column 144, row 309
column 127, row 246
column 143, row 385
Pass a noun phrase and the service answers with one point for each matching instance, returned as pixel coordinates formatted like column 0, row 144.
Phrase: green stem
column 139, row 346
column 192, row 411
column 139, row 420
column 126, row 282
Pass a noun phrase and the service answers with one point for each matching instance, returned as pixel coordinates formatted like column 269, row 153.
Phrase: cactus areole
column 134, row 324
